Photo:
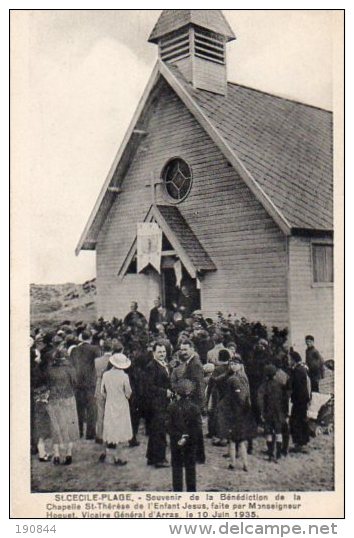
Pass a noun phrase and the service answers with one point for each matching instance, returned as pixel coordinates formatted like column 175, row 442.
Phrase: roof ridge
column 279, row 97
column 263, row 153
column 224, row 145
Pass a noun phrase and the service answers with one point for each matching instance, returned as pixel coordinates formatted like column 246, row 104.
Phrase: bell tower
column 195, row 41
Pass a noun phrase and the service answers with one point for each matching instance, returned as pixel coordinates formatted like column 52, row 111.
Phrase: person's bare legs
column 56, row 450
column 232, row 452
column 43, row 456
column 243, row 454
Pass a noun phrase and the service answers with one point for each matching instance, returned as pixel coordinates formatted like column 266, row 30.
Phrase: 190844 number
column 35, row 529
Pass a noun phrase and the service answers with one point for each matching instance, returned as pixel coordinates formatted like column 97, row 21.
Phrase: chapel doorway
column 170, row 291
column 172, row 295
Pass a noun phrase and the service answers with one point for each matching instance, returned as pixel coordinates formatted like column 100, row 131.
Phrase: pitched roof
column 189, row 242
column 188, row 248
column 116, row 172
column 173, row 19
column 281, row 148
column 286, row 146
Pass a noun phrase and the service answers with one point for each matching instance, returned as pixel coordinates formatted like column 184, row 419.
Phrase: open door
column 173, row 298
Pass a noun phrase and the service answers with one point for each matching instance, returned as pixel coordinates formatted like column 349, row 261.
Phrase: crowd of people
column 105, row 381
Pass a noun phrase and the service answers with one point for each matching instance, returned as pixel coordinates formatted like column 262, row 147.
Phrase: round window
column 177, row 178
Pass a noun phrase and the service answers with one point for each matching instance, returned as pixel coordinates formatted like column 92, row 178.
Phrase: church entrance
column 185, row 297
column 170, row 291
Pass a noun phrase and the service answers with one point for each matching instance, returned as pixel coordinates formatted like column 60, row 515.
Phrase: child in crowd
column 271, row 403
column 183, row 424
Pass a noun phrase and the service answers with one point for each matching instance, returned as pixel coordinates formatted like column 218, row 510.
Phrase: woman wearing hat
column 62, row 404
column 117, row 426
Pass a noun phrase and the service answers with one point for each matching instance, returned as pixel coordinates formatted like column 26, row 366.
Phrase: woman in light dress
column 101, row 364
column 117, row 426
column 62, row 405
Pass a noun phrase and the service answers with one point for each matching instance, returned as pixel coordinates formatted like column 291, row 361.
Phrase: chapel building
column 239, row 181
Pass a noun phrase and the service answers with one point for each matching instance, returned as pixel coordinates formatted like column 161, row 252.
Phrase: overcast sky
column 86, row 73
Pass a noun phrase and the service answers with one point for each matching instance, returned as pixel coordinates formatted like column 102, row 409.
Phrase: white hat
column 119, row 360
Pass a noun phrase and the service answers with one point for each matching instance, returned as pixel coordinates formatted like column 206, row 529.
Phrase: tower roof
column 173, row 19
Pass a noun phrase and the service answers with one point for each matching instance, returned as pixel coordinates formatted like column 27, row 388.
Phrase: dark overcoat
column 183, row 418
column 235, row 417
column 83, row 359
column 315, row 364
column 195, row 373
column 271, row 403
column 157, row 384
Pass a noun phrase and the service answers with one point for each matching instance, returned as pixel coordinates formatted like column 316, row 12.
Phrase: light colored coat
column 101, row 364
column 116, row 424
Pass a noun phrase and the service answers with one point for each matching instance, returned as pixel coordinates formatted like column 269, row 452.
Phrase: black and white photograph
column 182, row 264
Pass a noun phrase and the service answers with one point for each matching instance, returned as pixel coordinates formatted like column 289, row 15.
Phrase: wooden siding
column 185, row 66
column 209, row 76
column 203, row 74
column 115, row 295
column 311, row 306
column 247, row 247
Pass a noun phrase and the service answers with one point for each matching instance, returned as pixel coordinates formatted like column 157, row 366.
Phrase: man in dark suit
column 300, row 398
column 83, row 359
column 314, row 363
column 134, row 318
column 154, row 315
column 187, row 302
column 195, row 373
column 159, row 393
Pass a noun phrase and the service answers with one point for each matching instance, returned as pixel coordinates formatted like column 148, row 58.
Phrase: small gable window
column 177, row 179
column 322, row 262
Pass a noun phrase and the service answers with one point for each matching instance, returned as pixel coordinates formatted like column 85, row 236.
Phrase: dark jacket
column 38, row 373
column 183, row 418
column 235, row 417
column 315, row 364
column 217, row 386
column 153, row 319
column 272, row 401
column 195, row 373
column 187, row 304
column 300, row 386
column 255, row 366
column 157, row 384
column 137, row 376
column 83, row 359
column 134, row 318
column 61, row 380
column 162, row 315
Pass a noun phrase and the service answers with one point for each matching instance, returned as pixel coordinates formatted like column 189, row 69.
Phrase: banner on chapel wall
column 149, row 246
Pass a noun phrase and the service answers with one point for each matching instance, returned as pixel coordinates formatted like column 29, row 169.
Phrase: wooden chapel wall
column 244, row 242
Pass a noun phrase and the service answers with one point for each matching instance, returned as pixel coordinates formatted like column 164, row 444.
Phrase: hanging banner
column 178, row 272
column 149, row 245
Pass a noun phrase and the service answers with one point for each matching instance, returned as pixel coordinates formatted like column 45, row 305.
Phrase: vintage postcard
column 177, row 279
